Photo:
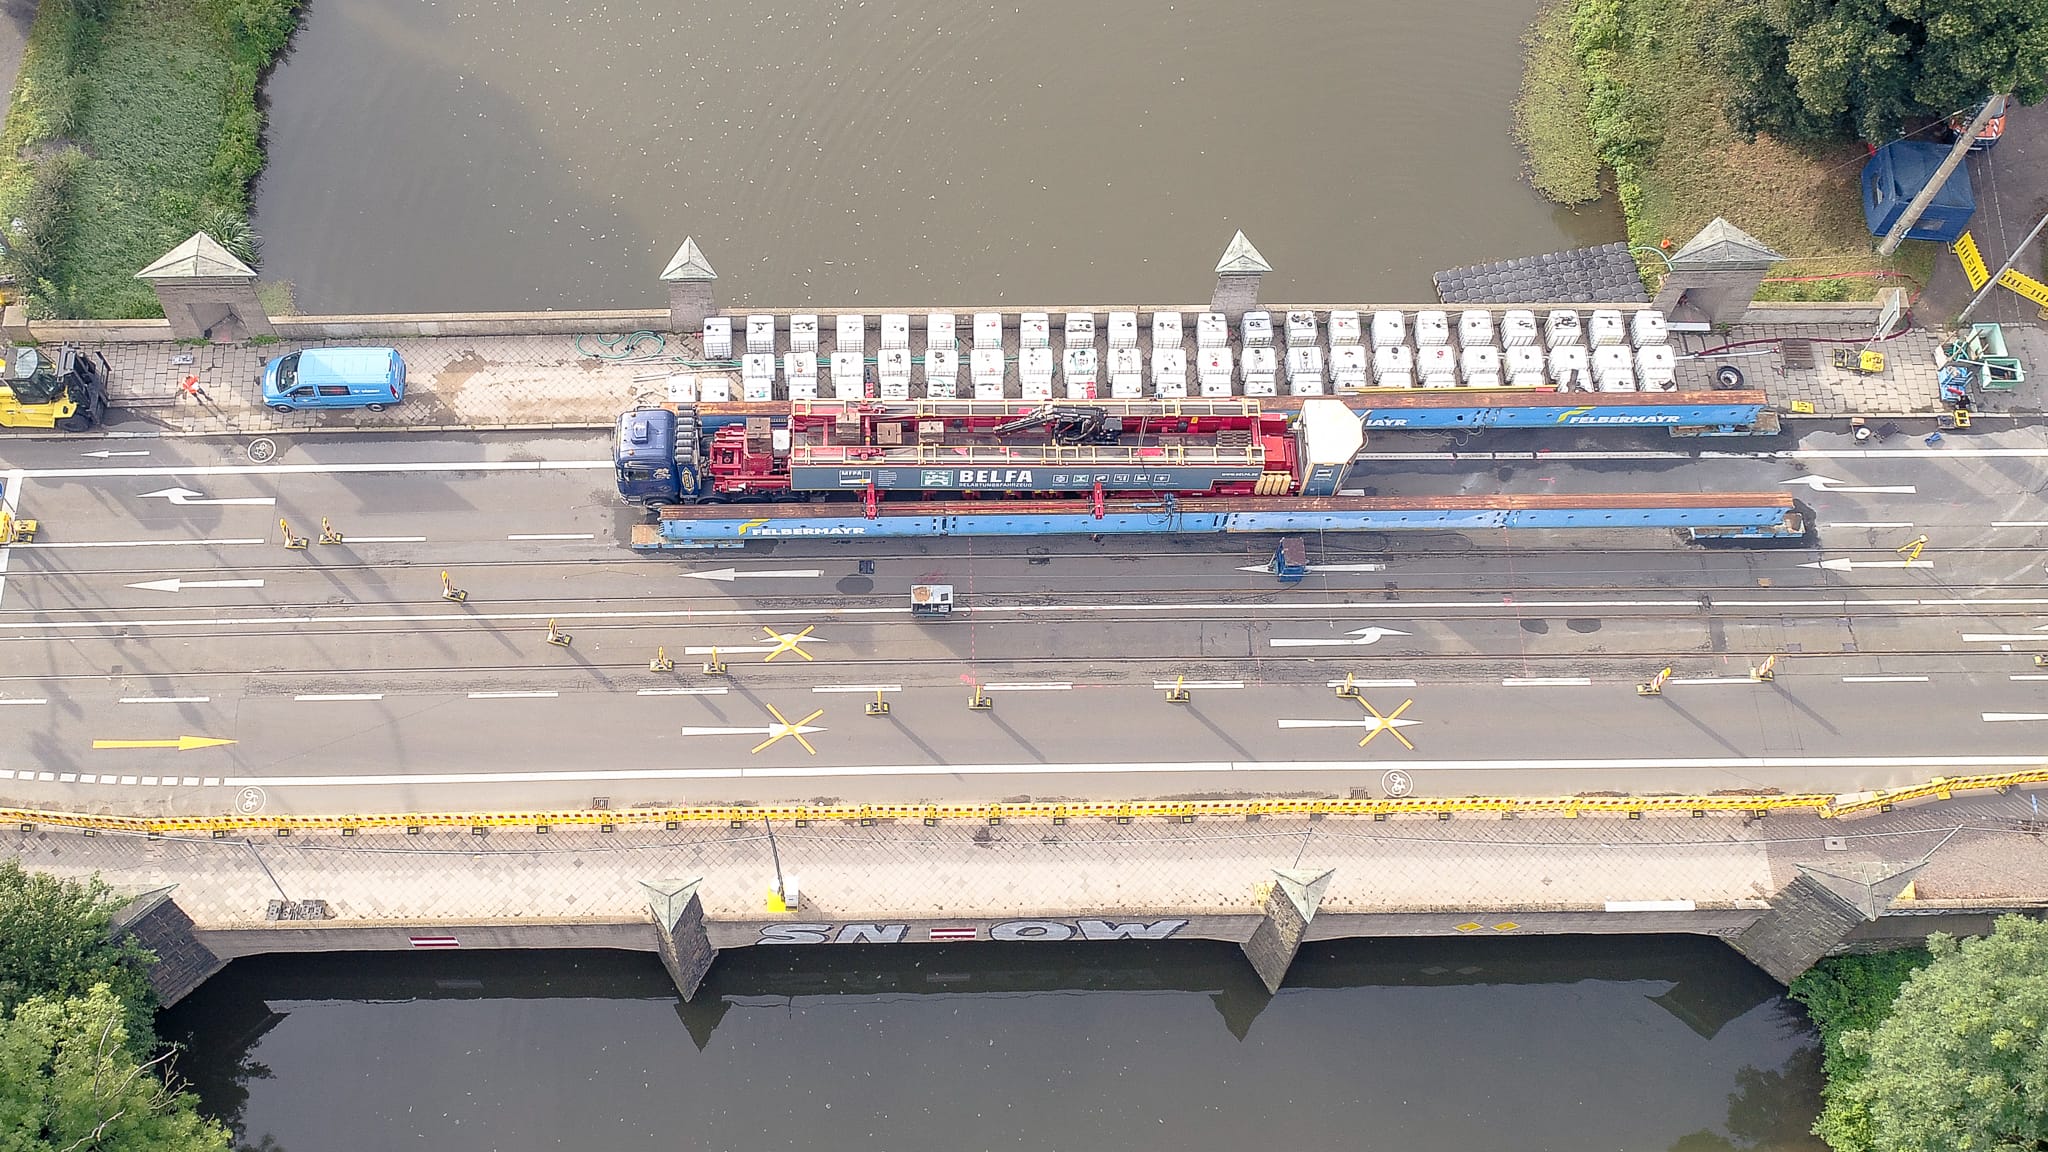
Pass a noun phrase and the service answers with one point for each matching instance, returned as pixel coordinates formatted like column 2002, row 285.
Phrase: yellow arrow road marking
column 182, row 743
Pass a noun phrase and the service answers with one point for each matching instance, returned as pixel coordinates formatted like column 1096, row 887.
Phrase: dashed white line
column 1059, row 686
column 1884, row 679
column 2019, row 523
column 135, row 543
column 1714, row 680
column 385, row 540
column 1995, row 717
column 2027, row 677
column 165, row 699
column 341, row 696
column 863, row 688
column 512, row 695
column 552, row 536
column 1370, row 683
column 1158, row 684
column 67, row 777
column 10, row 498
column 681, row 692
column 1870, row 524
column 24, row 702
column 1546, row 682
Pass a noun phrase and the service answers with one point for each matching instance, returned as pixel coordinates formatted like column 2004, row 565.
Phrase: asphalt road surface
column 162, row 652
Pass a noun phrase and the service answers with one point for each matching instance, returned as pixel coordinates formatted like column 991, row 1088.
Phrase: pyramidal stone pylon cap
column 1722, row 243
column 667, row 899
column 689, row 264
column 1304, row 888
column 1240, row 257
column 199, row 258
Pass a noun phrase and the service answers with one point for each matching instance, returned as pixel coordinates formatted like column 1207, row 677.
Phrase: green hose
column 624, row 346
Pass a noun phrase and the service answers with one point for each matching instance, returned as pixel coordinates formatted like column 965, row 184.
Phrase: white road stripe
column 1729, row 764
column 138, row 543
column 334, row 469
column 512, row 695
column 1870, row 524
column 1995, row 717
column 23, row 703
column 10, row 500
column 2008, row 678
column 861, row 688
column 2002, row 637
column 384, row 540
column 342, row 696
column 682, row 692
column 553, row 536
column 1370, row 683
column 1545, row 682
column 165, row 699
column 1059, row 686
column 1884, row 679
column 1713, row 680
column 2019, row 523
column 1157, row 684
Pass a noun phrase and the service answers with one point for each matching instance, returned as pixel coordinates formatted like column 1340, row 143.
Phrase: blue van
column 334, row 378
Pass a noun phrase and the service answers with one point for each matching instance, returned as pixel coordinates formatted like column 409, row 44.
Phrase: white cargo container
column 940, row 332
column 1212, row 330
column 1436, row 365
column 715, row 389
column 803, row 334
column 941, row 372
column 1080, row 368
column 799, row 366
column 1561, row 328
column 988, row 330
column 682, row 389
column 1389, row 329
column 1524, row 366
column 718, row 337
column 852, row 335
column 1479, row 366
column 1169, row 373
column 1080, row 330
column 1256, row 329
column 1127, row 369
column 1475, row 327
column 760, row 333
column 1216, row 369
column 1034, row 373
column 1648, row 328
column 1305, row 371
column 1301, row 330
column 1123, row 329
column 757, row 375
column 1656, row 368
column 1393, row 366
column 1034, row 330
column 849, row 375
column 1165, row 331
column 1432, row 328
column 985, row 366
column 1569, row 370
column 1261, row 371
column 1345, row 329
column 893, row 369
column 1518, row 329
column 1349, row 367
column 1606, row 328
column 896, row 330
column 1614, row 368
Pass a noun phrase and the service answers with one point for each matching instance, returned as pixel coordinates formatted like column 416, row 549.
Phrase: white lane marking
column 10, row 500
column 103, row 454
column 769, row 730
column 1995, row 717
column 384, row 540
column 176, row 585
column 1048, row 686
column 1999, row 637
column 1356, row 636
column 1368, row 722
column 137, row 543
column 728, row 575
column 1783, row 454
column 1830, row 484
column 1158, row 684
column 682, row 692
column 188, row 496
column 1728, row 764
column 127, row 779
column 1714, row 680
column 2008, row 678
column 2019, row 523
column 165, row 699
column 331, row 469
column 1355, row 683
column 1546, row 682
column 858, row 688
column 1651, row 906
column 730, row 649
column 1884, row 679
column 552, row 536
column 1845, row 564
column 1870, row 524
column 512, row 695
column 1926, row 602
column 1320, row 568
column 67, row 777
column 341, row 696
column 25, row 702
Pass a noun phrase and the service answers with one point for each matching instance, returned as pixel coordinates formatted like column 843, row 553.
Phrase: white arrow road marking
column 1320, row 568
column 1847, row 565
column 727, row 575
column 1997, row 716
column 1357, row 636
column 103, row 454
column 742, row 649
column 188, row 496
column 1368, row 722
column 176, row 585
column 769, row 730
column 1830, row 484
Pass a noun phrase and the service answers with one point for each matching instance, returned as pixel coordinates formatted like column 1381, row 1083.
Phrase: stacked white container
column 1169, row 372
column 895, row 330
column 1346, row 328
column 1479, row 366
column 682, row 389
column 893, row 369
column 1475, row 327
column 1257, row 329
column 1123, row 329
column 1080, row 330
column 718, row 337
column 1079, row 368
column 760, row 333
column 757, row 372
column 1389, row 329
column 941, row 372
column 939, row 331
column 803, row 334
column 1614, row 368
column 1348, row 366
column 1165, row 331
column 1524, row 365
column 1656, row 368
column 1393, row 366
column 1034, row 331
column 985, row 367
column 1606, row 328
column 1648, row 327
column 800, row 369
column 1126, row 366
column 853, row 335
column 1261, row 370
column 1561, row 328
column 1034, row 373
column 1304, row 370
column 1518, row 328
column 1301, row 329
column 1215, row 366
column 715, row 389
column 1431, row 329
column 1212, row 330
column 988, row 330
column 1436, row 366
column 849, row 375
column 1568, row 369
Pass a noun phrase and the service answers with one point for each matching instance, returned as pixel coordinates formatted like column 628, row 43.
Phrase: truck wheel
column 1728, row 376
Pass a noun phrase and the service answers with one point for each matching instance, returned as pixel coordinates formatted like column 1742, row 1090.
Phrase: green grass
column 1654, row 111
column 1560, row 157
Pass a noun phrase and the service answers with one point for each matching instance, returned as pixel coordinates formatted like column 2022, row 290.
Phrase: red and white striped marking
column 435, row 942
column 955, row 933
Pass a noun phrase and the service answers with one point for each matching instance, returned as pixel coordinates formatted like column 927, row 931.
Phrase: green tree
column 54, row 942
column 1837, row 69
column 1961, row 1063
column 71, row 1080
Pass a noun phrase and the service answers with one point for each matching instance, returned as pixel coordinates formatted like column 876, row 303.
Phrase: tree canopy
column 1961, row 1063
column 1835, row 69
column 53, row 941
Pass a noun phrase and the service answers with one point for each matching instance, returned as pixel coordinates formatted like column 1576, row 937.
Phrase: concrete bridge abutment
column 1291, row 903
column 680, row 938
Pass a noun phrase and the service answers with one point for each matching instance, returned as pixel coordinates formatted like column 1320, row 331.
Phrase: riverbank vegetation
column 79, row 1062
column 1935, row 1050
column 134, row 124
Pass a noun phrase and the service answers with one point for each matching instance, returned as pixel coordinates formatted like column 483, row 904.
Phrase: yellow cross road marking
column 784, row 728
column 182, row 743
column 1386, row 723
column 787, row 642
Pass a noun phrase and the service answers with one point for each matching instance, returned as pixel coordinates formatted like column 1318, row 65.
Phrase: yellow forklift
column 66, row 390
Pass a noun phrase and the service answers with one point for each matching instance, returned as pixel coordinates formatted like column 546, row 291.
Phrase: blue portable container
column 1897, row 173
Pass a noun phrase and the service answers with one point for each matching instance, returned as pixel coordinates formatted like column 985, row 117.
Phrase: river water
column 1574, row 1045
column 439, row 155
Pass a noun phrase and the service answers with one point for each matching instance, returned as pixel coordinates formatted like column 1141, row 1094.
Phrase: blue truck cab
column 655, row 455
column 372, row 378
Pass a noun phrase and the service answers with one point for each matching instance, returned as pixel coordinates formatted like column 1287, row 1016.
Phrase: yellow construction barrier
column 1972, row 260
